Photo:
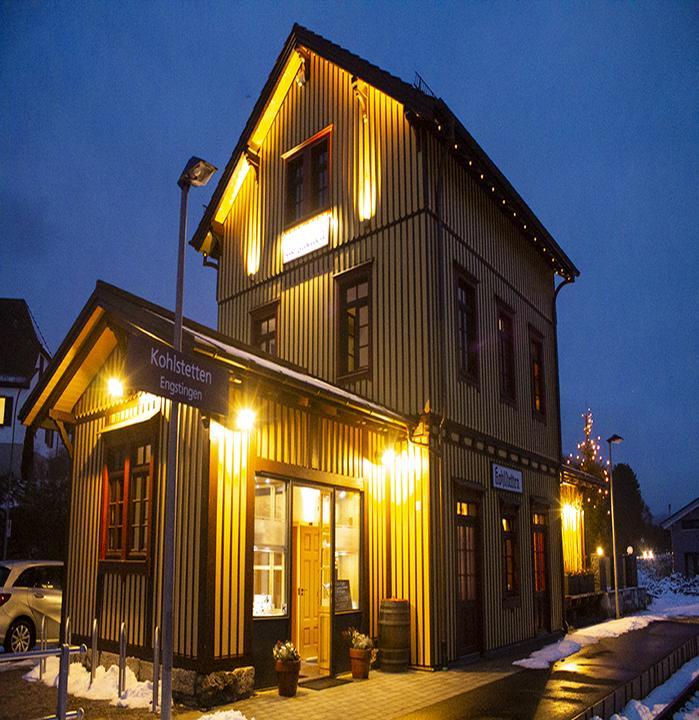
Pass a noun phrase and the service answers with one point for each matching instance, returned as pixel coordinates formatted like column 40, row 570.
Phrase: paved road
column 570, row 685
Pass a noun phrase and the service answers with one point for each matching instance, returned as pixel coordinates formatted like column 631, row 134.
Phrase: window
column 347, row 547
column 5, row 410
column 48, row 438
column 536, row 361
column 539, row 551
column 264, row 328
column 691, row 524
column 506, row 355
column 466, row 326
column 126, row 501
column 354, row 329
column 691, row 564
column 308, row 180
column 509, row 553
column 270, row 548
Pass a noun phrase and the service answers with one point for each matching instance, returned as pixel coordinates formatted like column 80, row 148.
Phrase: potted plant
column 287, row 663
column 362, row 653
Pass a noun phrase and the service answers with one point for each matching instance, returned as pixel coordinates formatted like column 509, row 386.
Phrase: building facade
column 387, row 315
column 684, row 532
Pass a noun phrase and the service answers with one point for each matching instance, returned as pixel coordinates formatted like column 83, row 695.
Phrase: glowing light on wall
column 245, row 419
column 306, row 237
column 366, row 158
column 232, row 190
column 572, row 529
column 600, row 551
column 115, row 387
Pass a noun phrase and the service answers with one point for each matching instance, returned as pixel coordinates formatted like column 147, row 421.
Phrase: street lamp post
column 197, row 172
column 614, row 440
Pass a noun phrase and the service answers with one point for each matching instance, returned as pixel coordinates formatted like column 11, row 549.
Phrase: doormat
column 323, row 683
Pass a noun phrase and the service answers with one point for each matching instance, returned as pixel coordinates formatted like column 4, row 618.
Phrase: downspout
column 554, row 316
column 441, row 255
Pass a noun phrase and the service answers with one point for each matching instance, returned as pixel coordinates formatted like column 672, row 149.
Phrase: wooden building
column 684, row 529
column 387, row 310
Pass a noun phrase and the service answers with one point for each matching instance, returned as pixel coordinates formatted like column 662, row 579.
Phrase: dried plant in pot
column 287, row 663
column 362, row 652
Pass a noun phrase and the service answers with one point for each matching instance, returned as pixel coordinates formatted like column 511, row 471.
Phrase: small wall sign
column 156, row 368
column 505, row 478
column 306, row 237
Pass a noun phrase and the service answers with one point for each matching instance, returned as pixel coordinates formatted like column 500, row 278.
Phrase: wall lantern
column 115, row 387
column 600, row 551
column 245, row 419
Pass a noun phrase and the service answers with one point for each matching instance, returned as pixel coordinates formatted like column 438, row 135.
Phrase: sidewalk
column 486, row 690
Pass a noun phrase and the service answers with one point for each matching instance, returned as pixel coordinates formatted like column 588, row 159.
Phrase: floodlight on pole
column 614, row 440
column 197, row 172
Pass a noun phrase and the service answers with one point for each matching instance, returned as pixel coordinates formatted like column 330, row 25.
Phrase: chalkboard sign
column 343, row 597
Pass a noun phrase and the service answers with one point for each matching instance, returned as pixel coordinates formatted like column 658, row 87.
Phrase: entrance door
column 540, row 569
column 468, row 611
column 311, row 629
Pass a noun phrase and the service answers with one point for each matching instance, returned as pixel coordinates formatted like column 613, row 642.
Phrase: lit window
column 347, row 534
column 354, row 328
column 126, row 500
column 509, row 555
column 307, row 181
column 466, row 327
column 506, row 355
column 270, row 548
column 5, row 411
column 536, row 360
column 264, row 328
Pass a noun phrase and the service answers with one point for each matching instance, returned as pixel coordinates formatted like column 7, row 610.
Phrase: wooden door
column 468, row 590
column 540, row 570
column 308, row 590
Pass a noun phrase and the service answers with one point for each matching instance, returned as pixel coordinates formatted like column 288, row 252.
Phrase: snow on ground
column 225, row 715
column 662, row 696
column 105, row 686
column 667, row 603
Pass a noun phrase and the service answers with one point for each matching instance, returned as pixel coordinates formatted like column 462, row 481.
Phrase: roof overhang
column 683, row 512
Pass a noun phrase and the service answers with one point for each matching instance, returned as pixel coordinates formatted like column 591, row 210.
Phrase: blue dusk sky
column 590, row 109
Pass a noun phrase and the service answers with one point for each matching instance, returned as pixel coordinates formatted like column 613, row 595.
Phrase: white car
column 29, row 590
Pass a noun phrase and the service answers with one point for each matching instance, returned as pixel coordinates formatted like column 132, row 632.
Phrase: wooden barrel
column 394, row 634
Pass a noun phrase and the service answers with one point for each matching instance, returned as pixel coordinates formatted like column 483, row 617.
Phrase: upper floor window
column 506, row 354
column 126, row 501
column 466, row 326
column 5, row 410
column 307, row 180
column 536, row 362
column 264, row 328
column 354, row 328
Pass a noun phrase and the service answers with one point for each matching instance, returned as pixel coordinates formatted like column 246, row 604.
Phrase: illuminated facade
column 386, row 317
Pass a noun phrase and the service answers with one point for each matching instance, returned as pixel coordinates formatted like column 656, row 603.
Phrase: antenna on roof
column 422, row 86
column 38, row 329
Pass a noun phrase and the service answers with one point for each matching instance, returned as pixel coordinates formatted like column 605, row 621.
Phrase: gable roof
column 19, row 343
column 110, row 311
column 422, row 109
column 688, row 508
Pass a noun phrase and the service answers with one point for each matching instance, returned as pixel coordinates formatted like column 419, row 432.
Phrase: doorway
column 468, row 590
column 312, row 578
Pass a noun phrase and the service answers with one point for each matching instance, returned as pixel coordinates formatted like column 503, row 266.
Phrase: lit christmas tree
column 595, row 501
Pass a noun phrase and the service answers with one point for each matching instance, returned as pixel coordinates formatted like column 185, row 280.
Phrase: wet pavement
column 570, row 685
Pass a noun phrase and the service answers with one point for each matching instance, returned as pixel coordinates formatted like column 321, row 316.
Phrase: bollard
column 122, row 659
column 42, row 646
column 93, row 663
column 156, row 667
column 64, row 669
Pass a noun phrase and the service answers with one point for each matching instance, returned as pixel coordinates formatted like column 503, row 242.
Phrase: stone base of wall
column 190, row 686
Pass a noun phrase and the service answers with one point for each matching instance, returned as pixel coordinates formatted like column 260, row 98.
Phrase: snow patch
column 225, row 715
column 105, row 686
column 653, row 704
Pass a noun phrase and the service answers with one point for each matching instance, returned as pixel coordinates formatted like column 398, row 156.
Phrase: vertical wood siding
column 128, row 596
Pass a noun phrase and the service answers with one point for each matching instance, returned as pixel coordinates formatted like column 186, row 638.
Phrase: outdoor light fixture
column 245, row 419
column 600, row 551
column 388, row 457
column 115, row 387
column 613, row 440
column 197, row 172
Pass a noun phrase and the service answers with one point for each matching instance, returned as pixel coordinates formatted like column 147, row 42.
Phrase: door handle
column 38, row 594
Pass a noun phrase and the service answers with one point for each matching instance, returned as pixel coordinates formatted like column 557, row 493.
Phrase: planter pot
column 360, row 661
column 287, row 676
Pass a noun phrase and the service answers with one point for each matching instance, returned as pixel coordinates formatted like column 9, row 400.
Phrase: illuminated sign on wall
column 306, row 237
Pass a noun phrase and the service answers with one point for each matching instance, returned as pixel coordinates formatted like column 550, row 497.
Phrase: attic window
column 307, row 181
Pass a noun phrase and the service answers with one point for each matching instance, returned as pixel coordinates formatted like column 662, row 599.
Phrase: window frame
column 6, row 416
column 507, row 364
column 262, row 314
column 537, row 339
column 310, row 204
column 469, row 356
column 127, row 440
column 510, row 597
column 343, row 281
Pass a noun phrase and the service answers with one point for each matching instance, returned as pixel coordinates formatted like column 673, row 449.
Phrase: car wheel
column 20, row 637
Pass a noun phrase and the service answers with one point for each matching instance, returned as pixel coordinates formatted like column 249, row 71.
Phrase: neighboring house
column 684, row 530
column 387, row 310
column 23, row 359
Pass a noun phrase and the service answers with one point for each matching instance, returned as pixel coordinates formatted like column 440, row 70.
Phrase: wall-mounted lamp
column 245, row 419
column 115, row 387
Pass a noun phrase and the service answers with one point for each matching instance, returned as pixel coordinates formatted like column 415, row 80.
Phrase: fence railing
column 64, row 652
